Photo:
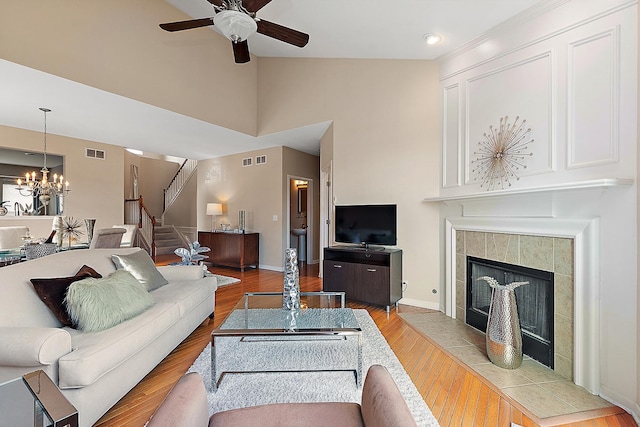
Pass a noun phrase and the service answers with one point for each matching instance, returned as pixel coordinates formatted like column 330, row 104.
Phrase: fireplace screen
column 534, row 301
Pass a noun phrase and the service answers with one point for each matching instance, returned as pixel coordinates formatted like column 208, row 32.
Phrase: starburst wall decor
column 501, row 154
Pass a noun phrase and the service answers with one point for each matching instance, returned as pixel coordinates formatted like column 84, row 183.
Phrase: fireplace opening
column 534, row 302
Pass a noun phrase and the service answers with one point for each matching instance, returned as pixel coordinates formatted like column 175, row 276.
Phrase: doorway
column 301, row 228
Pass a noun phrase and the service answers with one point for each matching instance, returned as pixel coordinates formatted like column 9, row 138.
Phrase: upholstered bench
column 382, row 406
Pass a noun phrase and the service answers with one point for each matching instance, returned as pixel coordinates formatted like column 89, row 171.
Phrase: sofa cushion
column 96, row 354
column 98, row 304
column 187, row 294
column 181, row 272
column 53, row 290
column 142, row 267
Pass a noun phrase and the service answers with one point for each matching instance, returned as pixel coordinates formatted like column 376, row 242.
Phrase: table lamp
column 214, row 209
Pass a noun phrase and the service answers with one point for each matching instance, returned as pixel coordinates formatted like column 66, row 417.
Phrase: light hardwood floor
column 455, row 395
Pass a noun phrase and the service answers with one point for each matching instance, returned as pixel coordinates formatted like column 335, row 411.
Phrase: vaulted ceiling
column 337, row 29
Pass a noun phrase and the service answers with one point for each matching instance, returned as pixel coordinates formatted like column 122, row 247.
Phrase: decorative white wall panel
column 571, row 70
column 524, row 90
column 593, row 100
column 451, row 152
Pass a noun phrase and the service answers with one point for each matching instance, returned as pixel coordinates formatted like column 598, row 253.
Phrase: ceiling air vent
column 95, row 154
column 247, row 161
column 261, row 160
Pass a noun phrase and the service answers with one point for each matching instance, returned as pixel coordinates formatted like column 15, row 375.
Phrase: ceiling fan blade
column 284, row 34
column 186, row 25
column 241, row 52
column 254, row 5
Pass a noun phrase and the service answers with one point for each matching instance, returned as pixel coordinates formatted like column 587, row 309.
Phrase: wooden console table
column 238, row 250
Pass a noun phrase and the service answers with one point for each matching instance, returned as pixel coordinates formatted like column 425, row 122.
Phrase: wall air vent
column 247, row 161
column 261, row 160
column 95, row 154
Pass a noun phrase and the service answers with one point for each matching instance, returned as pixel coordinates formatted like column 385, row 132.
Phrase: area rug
column 240, row 390
column 224, row 280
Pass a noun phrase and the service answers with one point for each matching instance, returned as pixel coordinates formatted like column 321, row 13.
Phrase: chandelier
column 43, row 189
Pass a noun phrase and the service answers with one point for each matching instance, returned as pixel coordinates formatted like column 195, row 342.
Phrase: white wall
column 572, row 73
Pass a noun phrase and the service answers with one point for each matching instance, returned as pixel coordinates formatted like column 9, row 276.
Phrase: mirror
column 15, row 164
column 302, row 200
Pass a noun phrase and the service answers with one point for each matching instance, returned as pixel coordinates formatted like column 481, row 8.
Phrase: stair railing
column 178, row 182
column 137, row 213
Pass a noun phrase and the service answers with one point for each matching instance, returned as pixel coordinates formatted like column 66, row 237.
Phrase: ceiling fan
column 237, row 20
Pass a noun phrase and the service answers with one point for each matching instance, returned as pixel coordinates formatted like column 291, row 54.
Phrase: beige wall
column 153, row 176
column 326, row 148
column 297, row 164
column 637, row 408
column 256, row 189
column 96, row 185
column 183, row 212
column 117, row 46
column 386, row 145
column 129, row 161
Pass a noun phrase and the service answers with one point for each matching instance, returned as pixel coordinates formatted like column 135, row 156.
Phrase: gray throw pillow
column 97, row 304
column 142, row 267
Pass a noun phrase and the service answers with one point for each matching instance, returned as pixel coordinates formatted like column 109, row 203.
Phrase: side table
column 34, row 401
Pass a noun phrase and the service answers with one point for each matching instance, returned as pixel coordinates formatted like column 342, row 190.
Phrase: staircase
column 167, row 239
column 154, row 237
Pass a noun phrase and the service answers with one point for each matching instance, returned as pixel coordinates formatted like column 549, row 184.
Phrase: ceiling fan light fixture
column 236, row 26
column 432, row 38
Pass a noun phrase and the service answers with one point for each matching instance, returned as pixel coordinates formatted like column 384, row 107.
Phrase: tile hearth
column 540, row 390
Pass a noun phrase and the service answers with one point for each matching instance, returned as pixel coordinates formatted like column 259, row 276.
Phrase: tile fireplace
column 561, row 247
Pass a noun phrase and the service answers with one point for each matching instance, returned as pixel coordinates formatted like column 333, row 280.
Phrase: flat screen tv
column 366, row 224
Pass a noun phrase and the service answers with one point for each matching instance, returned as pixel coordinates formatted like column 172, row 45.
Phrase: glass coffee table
column 260, row 336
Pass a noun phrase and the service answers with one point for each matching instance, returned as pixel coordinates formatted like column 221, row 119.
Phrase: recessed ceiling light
column 432, row 38
column 134, row 151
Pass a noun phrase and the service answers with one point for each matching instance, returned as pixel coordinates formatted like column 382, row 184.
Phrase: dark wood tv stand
column 372, row 275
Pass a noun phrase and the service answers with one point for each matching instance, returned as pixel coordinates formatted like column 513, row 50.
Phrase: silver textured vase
column 291, row 291
column 504, row 337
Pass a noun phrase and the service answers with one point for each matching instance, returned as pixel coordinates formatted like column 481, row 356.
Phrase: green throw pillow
column 142, row 267
column 97, row 304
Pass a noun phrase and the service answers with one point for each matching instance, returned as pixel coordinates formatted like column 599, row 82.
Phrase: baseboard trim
column 420, row 303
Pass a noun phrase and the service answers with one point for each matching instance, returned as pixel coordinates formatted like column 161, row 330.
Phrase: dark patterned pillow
column 52, row 291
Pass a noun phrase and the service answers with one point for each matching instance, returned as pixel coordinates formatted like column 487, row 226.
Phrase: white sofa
column 94, row 370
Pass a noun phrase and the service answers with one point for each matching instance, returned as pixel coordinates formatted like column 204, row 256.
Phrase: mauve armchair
column 382, row 406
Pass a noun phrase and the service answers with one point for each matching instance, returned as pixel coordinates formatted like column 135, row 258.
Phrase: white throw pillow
column 142, row 267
